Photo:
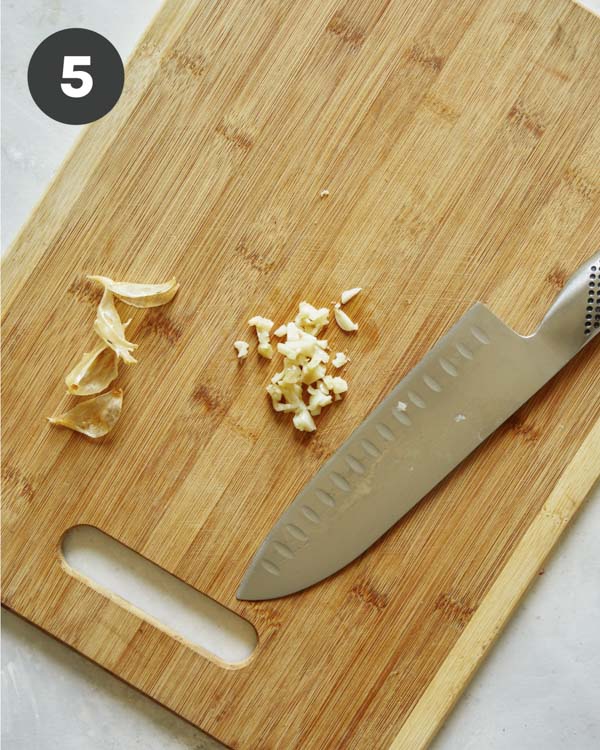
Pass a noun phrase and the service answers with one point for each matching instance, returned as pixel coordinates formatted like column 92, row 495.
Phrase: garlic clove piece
column 348, row 294
column 336, row 384
column 311, row 319
column 317, row 400
column 241, row 348
column 303, row 420
column 344, row 321
column 263, row 326
column 339, row 360
column 265, row 350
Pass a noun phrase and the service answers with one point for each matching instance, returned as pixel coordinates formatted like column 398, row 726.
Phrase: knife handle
column 574, row 318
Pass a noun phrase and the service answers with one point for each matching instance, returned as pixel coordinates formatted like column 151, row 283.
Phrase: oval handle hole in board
column 158, row 596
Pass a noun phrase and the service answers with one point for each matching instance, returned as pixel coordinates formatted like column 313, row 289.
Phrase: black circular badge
column 75, row 76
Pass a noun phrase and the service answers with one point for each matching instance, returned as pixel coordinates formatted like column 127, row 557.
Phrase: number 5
column 69, row 63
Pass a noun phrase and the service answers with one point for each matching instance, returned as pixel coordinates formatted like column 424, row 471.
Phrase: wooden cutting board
column 459, row 143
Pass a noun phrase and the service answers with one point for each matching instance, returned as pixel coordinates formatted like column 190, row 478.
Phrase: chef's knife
column 472, row 380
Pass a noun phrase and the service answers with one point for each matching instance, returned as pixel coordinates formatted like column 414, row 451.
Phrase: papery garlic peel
column 139, row 295
column 94, row 372
column 111, row 330
column 95, row 417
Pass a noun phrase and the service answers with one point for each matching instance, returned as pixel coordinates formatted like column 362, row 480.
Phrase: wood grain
column 459, row 143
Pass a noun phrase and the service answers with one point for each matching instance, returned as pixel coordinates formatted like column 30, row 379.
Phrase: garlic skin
column 94, row 372
column 95, row 417
column 348, row 294
column 139, row 295
column 344, row 321
column 111, row 330
column 241, row 348
column 263, row 326
column 340, row 359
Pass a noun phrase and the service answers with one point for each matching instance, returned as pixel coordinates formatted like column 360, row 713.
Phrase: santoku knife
column 472, row 380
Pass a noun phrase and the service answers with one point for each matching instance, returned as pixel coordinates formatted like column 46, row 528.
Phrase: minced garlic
column 336, row 384
column 310, row 319
column 303, row 387
column 303, row 421
column 241, row 348
column 263, row 326
column 339, row 360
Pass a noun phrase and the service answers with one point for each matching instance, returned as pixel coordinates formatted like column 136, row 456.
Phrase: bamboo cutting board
column 459, row 143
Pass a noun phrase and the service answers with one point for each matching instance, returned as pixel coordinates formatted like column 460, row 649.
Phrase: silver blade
column 474, row 378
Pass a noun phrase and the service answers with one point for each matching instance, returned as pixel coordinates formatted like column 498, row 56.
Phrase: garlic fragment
column 304, row 372
column 310, row 319
column 293, row 332
column 241, row 348
column 292, row 393
column 336, row 384
column 263, row 326
column 344, row 322
column 111, row 330
column 348, row 294
column 303, row 421
column 340, row 359
column 319, row 397
column 313, row 371
column 299, row 348
column 94, row 372
column 139, row 295
column 276, row 396
column 95, row 417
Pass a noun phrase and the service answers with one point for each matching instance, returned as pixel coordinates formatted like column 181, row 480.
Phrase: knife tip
column 241, row 594
column 244, row 592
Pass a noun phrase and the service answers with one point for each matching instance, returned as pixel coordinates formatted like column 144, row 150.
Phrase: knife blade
column 466, row 386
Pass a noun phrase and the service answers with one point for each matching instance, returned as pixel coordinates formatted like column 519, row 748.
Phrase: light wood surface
column 459, row 143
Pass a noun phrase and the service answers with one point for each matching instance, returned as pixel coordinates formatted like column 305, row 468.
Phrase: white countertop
column 540, row 686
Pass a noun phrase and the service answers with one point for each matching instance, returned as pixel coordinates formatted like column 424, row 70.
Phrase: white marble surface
column 540, row 686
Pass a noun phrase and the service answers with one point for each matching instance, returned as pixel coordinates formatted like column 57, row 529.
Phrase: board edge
column 499, row 604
